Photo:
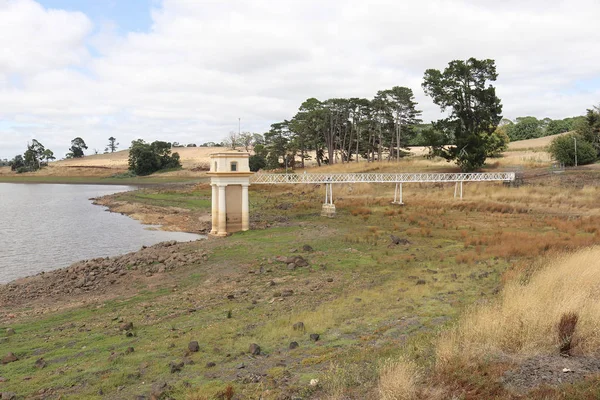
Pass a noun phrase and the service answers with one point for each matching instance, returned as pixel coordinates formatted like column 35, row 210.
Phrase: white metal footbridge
column 397, row 178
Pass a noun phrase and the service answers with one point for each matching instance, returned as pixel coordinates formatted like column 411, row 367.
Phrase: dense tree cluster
column 146, row 158
column 340, row 129
column 35, row 157
column 583, row 145
column 529, row 127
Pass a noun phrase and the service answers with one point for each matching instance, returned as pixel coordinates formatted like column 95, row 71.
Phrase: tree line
column 582, row 146
column 381, row 128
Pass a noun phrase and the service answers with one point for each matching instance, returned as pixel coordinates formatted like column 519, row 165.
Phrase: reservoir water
column 45, row 227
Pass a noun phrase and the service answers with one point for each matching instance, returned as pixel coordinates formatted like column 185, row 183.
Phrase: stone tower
column 230, row 178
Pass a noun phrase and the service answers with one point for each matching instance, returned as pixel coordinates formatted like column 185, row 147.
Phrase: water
column 45, row 227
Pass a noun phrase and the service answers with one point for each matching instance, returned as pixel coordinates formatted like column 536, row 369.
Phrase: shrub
column 562, row 149
column 566, row 330
column 257, row 162
column 146, row 158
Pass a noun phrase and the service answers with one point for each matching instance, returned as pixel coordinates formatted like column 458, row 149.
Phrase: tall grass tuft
column 398, row 380
column 523, row 321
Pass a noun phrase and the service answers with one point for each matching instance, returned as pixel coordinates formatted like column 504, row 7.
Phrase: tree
column 17, row 163
column 33, row 155
column 257, row 162
column 401, row 105
column 496, row 142
column 48, row 155
column 146, row 158
column 76, row 149
column 475, row 109
column 562, row 149
column 589, row 129
column 232, row 140
column 526, row 128
column 112, row 144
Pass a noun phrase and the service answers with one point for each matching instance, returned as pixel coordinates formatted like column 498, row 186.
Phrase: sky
column 189, row 70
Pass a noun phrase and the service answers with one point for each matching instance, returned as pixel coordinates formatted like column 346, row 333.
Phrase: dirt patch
column 172, row 219
column 549, row 370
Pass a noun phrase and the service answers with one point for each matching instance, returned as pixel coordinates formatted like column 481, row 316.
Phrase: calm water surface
column 45, row 227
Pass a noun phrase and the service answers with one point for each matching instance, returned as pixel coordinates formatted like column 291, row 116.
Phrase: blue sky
column 128, row 15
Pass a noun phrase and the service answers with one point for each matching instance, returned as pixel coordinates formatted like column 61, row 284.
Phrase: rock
column 175, row 367
column 314, row 382
column 300, row 261
column 230, row 297
column 126, row 326
column 294, row 345
column 307, row 248
column 291, row 266
column 329, row 279
column 10, row 357
column 287, row 293
column 397, row 240
column 158, row 390
column 240, row 366
column 315, row 337
column 421, row 282
column 40, row 363
column 194, row 347
column 254, row 349
column 188, row 361
column 210, row 364
column 10, row 331
column 129, row 350
column 129, row 334
column 299, row 326
column 8, row 396
column 2, row 379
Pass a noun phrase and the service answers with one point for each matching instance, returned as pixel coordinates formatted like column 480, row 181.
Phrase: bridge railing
column 261, row 178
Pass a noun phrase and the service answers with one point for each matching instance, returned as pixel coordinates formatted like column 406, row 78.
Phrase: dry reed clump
column 398, row 380
column 525, row 319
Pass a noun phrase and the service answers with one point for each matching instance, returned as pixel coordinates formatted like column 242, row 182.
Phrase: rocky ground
column 104, row 277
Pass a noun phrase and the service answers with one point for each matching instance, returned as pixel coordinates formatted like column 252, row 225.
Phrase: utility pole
column 239, row 126
column 575, row 140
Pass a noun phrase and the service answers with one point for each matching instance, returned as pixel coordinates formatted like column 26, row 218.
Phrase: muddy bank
column 173, row 219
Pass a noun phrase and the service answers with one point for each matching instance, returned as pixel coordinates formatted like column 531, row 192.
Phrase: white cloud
column 204, row 64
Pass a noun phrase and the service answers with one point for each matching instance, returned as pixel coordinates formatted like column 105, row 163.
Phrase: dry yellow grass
column 523, row 322
column 538, row 143
column 398, row 380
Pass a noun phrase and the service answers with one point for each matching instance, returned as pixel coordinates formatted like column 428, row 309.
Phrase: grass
column 362, row 294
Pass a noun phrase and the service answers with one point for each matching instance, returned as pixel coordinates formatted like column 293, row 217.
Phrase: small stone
column 210, row 364
column 10, row 357
column 10, row 331
column 299, row 326
column 8, row 396
column 307, row 248
column 254, row 349
column 126, row 326
column 314, row 382
column 294, row 345
column 291, row 266
column 194, row 347
column 175, row 367
column 2, row 379
column 129, row 334
column 158, row 390
column 329, row 279
column 421, row 282
column 315, row 337
column 40, row 363
column 240, row 366
column 230, row 297
column 287, row 293
column 129, row 350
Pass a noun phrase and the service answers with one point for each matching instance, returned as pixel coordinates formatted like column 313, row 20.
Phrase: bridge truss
column 398, row 179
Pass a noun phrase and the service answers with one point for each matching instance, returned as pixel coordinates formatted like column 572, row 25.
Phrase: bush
column 562, row 149
column 257, row 162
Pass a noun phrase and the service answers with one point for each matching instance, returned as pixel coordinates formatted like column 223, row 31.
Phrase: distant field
column 532, row 143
